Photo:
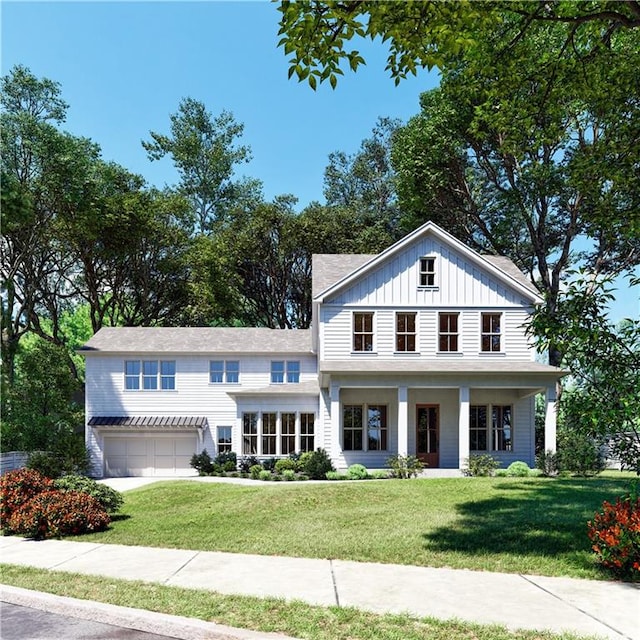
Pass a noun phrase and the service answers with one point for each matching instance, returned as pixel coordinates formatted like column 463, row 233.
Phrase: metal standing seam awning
column 157, row 423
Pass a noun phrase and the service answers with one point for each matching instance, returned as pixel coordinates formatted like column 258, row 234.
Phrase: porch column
column 334, row 395
column 403, row 421
column 463, row 428
column 550, row 417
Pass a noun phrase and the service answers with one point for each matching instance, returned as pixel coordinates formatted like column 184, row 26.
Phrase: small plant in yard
column 289, row 475
column 57, row 513
column 481, row 465
column 317, row 464
column 357, row 472
column 255, row 471
column 518, row 469
column 404, row 466
column 615, row 536
column 547, row 462
column 245, row 464
column 336, row 475
column 17, row 488
column 228, row 460
column 285, row 464
column 202, row 463
column 110, row 499
column 265, row 474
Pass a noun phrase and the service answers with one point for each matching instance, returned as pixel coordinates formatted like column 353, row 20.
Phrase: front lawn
column 535, row 525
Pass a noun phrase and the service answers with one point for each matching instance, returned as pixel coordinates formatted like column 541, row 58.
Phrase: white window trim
column 225, row 373
column 436, row 283
column 158, row 376
column 416, row 334
column 502, row 334
column 364, row 429
column 374, row 341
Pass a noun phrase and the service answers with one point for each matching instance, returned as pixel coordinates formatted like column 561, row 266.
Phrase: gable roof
column 329, row 268
column 500, row 267
column 234, row 340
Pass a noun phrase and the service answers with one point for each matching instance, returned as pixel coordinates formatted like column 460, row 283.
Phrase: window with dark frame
column 363, row 331
column 405, row 332
column 448, row 332
column 427, row 276
column 491, row 332
column 478, row 428
column 501, row 430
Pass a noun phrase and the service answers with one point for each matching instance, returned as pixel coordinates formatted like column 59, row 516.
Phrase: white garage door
column 150, row 455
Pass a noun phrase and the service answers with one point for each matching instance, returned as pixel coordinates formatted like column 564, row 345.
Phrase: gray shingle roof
column 303, row 389
column 199, row 340
column 509, row 267
column 328, row 268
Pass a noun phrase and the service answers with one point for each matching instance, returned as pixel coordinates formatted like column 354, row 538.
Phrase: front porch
column 369, row 419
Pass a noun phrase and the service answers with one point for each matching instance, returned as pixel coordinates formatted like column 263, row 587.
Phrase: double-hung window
column 224, row 439
column 132, row 375
column 269, row 432
column 357, row 433
column 224, row 371
column 249, row 434
column 307, row 434
column 288, row 433
column 501, row 431
column 448, row 332
column 352, row 428
column 405, row 332
column 427, row 274
column 377, row 427
column 363, row 331
column 285, row 371
column 491, row 332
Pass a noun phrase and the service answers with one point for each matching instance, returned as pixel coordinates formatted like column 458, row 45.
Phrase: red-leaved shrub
column 17, row 488
column 58, row 513
column 615, row 536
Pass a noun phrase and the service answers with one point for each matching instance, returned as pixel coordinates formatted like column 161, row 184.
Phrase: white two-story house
column 419, row 350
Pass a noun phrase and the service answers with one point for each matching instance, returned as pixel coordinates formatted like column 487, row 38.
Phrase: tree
column 204, row 151
column 428, row 33
column 604, row 361
column 522, row 157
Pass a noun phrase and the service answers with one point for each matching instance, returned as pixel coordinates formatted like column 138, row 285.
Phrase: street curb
column 138, row 619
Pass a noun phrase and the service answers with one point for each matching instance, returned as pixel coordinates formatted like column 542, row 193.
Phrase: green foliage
column 52, row 514
column 336, row 475
column 518, row 469
column 256, row 470
column 285, row 464
column 357, row 472
column 246, row 462
column 68, row 455
column 202, row 463
column 289, row 474
column 264, row 475
column 481, row 465
column 579, row 453
column 317, row 464
column 17, row 488
column 404, row 466
column 547, row 463
column 615, row 536
column 110, row 499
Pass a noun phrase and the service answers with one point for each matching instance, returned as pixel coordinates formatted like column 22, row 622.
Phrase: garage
column 144, row 446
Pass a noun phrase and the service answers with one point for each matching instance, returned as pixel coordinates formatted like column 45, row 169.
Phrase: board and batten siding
column 459, row 282
column 337, row 333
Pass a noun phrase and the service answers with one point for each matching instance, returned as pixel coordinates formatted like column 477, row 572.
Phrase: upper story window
column 224, row 371
column 405, row 331
column 490, row 332
column 448, row 332
column 363, row 331
column 149, row 375
column 285, row 371
column 427, row 276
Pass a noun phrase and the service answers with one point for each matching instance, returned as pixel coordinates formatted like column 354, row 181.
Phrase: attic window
column 427, row 277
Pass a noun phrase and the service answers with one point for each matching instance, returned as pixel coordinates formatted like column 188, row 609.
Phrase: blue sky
column 123, row 68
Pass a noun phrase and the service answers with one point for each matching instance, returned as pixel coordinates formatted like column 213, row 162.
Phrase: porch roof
column 157, row 423
column 302, row 389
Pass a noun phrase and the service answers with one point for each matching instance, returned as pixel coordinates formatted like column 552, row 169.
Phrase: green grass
column 535, row 526
column 265, row 615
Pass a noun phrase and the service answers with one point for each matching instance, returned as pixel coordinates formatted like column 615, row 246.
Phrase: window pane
column 132, row 367
column 233, row 371
column 277, row 372
column 216, row 371
column 293, row 371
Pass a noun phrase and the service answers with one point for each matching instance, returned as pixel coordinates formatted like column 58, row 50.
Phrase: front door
column 428, row 434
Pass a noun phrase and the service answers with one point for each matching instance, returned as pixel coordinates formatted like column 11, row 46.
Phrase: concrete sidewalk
column 586, row 607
